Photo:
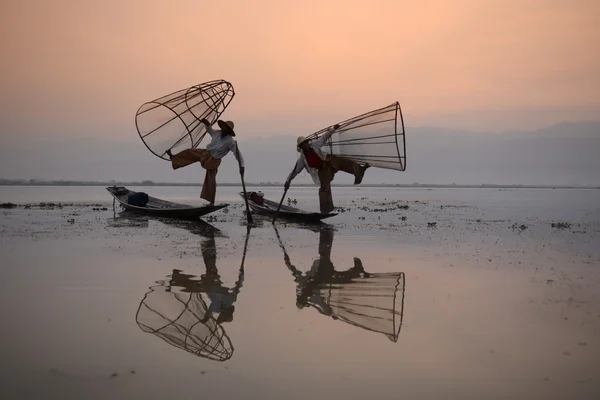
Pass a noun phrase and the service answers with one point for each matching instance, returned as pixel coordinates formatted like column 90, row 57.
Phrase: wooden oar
column 279, row 207
column 250, row 221
column 281, row 202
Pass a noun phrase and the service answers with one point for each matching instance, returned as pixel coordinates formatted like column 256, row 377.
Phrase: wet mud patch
column 561, row 225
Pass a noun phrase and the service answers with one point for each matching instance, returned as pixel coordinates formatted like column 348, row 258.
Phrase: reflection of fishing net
column 377, row 138
column 173, row 121
column 371, row 303
column 177, row 318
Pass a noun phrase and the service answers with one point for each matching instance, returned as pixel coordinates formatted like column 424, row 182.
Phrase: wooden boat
column 269, row 208
column 162, row 208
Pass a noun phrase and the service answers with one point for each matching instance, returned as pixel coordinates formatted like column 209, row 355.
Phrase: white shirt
column 221, row 144
column 301, row 164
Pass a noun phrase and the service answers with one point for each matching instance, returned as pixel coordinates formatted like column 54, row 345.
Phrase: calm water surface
column 97, row 304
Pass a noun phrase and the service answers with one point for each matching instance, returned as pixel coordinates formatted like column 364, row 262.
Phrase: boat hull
column 269, row 209
column 162, row 208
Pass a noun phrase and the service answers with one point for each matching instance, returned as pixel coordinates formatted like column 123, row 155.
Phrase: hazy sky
column 82, row 68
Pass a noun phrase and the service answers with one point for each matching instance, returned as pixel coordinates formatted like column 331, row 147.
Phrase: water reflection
column 129, row 219
column 187, row 312
column 371, row 301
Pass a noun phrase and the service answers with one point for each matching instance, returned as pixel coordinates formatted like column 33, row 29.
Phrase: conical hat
column 226, row 126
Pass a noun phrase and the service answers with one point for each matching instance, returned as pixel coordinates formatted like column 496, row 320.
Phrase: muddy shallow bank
column 404, row 296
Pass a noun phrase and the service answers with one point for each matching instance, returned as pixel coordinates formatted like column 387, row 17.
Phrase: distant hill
column 584, row 129
column 561, row 154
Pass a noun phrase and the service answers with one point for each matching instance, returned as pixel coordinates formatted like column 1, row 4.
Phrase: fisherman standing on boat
column 210, row 158
column 322, row 167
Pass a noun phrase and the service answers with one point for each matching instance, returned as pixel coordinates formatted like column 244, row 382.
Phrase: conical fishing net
column 172, row 122
column 180, row 319
column 377, row 138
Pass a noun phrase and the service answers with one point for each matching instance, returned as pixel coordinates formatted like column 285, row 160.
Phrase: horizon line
column 148, row 183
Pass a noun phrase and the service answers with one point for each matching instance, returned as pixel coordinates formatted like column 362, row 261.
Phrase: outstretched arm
column 300, row 165
column 209, row 128
column 323, row 139
column 238, row 154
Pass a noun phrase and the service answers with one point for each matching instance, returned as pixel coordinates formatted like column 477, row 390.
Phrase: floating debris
column 561, row 225
column 521, row 227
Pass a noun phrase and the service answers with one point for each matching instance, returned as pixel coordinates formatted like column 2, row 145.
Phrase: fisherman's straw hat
column 301, row 139
column 227, row 126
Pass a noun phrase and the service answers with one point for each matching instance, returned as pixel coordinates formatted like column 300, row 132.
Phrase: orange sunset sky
column 82, row 68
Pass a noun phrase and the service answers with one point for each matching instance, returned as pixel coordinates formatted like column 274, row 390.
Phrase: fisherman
column 210, row 158
column 322, row 167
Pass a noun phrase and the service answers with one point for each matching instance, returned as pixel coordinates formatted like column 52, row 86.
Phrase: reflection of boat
column 188, row 312
column 269, row 208
column 129, row 219
column 371, row 301
column 160, row 207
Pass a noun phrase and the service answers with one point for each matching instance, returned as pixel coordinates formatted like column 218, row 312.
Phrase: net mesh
column 377, row 138
column 172, row 122
column 180, row 319
column 372, row 303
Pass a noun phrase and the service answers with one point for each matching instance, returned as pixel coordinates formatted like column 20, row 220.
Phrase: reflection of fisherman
column 322, row 273
column 222, row 298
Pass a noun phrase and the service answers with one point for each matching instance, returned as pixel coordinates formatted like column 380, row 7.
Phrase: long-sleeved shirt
column 301, row 164
column 221, row 144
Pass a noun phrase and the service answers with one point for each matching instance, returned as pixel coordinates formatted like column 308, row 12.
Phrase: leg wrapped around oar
column 349, row 166
column 190, row 156
column 208, row 162
column 209, row 187
column 326, row 175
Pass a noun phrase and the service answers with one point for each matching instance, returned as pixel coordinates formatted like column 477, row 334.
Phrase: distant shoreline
column 7, row 182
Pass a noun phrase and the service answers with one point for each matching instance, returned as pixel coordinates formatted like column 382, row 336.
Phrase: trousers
column 208, row 162
column 330, row 167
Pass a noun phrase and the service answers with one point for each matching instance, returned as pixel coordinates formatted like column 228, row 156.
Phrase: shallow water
column 490, row 302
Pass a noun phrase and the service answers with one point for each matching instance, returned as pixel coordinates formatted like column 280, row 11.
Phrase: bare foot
column 358, row 178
